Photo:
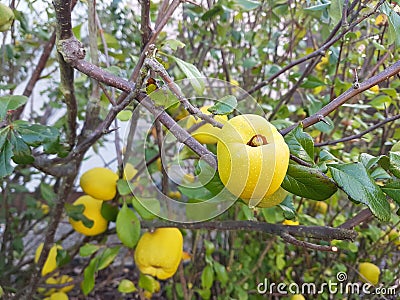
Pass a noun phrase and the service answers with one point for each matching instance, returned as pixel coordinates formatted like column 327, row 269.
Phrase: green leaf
column 149, row 211
column 247, row 5
column 163, row 97
column 62, row 257
column 394, row 167
column 212, row 13
column 5, row 158
column 174, row 44
column 381, row 102
column 289, row 211
column 392, row 189
column 88, row 249
column 89, row 276
column 22, row 152
column 107, row 257
column 317, row 7
column 123, row 187
column 207, row 277
column 312, row 82
column 335, row 10
column 36, row 134
column 222, row 274
column 355, row 181
column 76, row 213
column 204, row 293
column 394, row 24
column 47, row 192
column 192, row 73
column 109, row 211
column 127, row 226
column 224, row 106
column 301, row 144
column 209, row 177
column 11, row 102
column 148, row 283
column 126, row 286
column 308, row 183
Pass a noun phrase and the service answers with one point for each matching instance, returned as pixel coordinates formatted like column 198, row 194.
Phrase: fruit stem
column 257, row 140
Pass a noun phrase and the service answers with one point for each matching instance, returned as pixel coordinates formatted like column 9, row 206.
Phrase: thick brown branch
column 316, row 232
column 346, row 96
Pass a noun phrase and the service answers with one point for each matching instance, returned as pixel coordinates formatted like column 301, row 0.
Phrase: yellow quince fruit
column 252, row 159
column 159, row 253
column 369, row 272
column 206, row 134
column 92, row 212
column 100, row 183
column 51, row 263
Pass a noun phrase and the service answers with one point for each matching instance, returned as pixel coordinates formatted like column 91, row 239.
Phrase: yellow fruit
column 290, row 222
column 45, row 209
column 175, row 194
column 321, row 207
column 252, row 158
column 189, row 178
column 100, row 183
column 51, row 263
column 206, row 134
column 321, row 65
column 92, row 212
column 381, row 20
column 297, row 297
column 271, row 200
column 59, row 296
column 369, row 272
column 374, row 89
column 6, row 17
column 129, row 171
column 159, row 253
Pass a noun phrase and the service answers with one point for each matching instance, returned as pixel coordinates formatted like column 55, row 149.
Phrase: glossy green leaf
column 36, row 134
column 164, row 97
column 123, row 187
column 394, row 167
column 11, row 102
column 301, row 144
column 247, row 5
column 5, row 158
column 107, row 257
column 392, row 189
column 149, row 210
column 355, row 181
column 127, row 226
column 216, row 10
column 196, row 79
column 88, row 249
column 207, row 277
column 289, row 211
column 335, row 10
column 221, row 273
column 47, row 192
column 21, row 151
column 126, row 286
column 109, row 211
column 174, row 44
column 394, row 23
column 224, row 106
column 308, row 183
column 148, row 283
column 89, row 276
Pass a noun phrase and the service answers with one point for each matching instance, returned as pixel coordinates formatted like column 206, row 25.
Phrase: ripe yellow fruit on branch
column 252, row 159
column 92, row 212
column 369, row 272
column 206, row 134
column 51, row 263
column 100, row 183
column 159, row 253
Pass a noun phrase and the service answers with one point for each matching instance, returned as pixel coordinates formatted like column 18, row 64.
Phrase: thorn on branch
column 321, row 118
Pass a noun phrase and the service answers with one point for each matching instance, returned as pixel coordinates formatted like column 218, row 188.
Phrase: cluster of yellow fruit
column 99, row 184
column 252, row 157
column 50, row 266
column 159, row 253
